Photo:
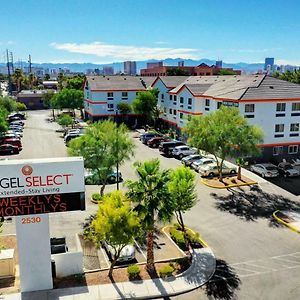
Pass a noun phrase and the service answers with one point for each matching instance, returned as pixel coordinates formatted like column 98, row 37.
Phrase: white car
column 182, row 151
column 211, row 170
column 127, row 253
column 188, row 160
column 203, row 161
column 265, row 170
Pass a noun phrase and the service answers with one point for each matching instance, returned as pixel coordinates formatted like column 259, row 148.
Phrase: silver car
column 188, row 160
column 127, row 253
column 203, row 161
column 265, row 170
column 182, row 151
column 211, row 170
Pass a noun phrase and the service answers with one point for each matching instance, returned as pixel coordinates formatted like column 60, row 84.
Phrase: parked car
column 15, row 132
column 16, row 122
column 211, row 170
column 73, row 131
column 287, row 170
column 188, row 160
column 91, row 177
column 127, row 253
column 200, row 162
column 17, row 116
column 14, row 142
column 167, row 147
column 11, row 135
column 265, row 170
column 156, row 141
column 71, row 136
column 182, row 151
column 15, row 127
column 147, row 136
column 8, row 149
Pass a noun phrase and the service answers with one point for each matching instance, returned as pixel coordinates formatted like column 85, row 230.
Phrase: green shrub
column 96, row 197
column 178, row 237
column 166, row 271
column 133, row 271
column 194, row 238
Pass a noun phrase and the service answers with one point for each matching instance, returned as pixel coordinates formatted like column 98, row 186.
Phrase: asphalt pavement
column 257, row 258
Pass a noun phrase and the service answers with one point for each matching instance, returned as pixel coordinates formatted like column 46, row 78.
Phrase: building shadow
column 224, row 283
column 254, row 204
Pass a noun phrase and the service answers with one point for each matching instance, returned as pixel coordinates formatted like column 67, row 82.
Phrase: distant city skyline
column 104, row 32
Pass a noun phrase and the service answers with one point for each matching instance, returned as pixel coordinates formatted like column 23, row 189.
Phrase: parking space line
column 138, row 246
column 105, row 257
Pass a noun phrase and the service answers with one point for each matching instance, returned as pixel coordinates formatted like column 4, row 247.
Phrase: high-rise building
column 269, row 63
column 151, row 65
column 130, row 67
column 108, row 71
column 219, row 63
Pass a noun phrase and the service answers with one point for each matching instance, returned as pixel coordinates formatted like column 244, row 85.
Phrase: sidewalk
column 201, row 270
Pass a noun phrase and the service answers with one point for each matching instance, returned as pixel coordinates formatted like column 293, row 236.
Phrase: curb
column 285, row 223
column 227, row 186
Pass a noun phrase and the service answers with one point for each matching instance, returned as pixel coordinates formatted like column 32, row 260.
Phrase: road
column 259, row 258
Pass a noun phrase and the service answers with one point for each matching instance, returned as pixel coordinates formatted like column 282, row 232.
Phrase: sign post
column 30, row 190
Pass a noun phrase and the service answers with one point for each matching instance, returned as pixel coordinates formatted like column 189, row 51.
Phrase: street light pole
column 117, row 141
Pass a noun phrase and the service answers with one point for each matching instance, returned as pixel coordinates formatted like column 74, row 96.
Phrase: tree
column 47, row 77
column 182, row 190
column 32, row 80
column 104, row 146
column 47, row 100
column 224, row 133
column 65, row 120
column 20, row 106
column 124, row 108
column 75, row 83
column 153, row 199
column 227, row 72
column 240, row 163
column 68, row 98
column 145, row 104
column 18, row 79
column 61, row 80
column 177, row 72
column 8, row 103
column 3, row 122
column 116, row 224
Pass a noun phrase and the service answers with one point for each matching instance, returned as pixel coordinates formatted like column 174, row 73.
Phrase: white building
column 270, row 103
column 102, row 94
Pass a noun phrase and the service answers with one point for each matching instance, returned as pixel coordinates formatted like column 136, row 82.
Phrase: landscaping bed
column 228, row 181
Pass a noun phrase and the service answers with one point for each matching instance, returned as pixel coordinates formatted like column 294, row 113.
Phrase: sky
column 106, row 31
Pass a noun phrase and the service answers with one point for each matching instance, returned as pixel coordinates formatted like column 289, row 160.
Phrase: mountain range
column 118, row 66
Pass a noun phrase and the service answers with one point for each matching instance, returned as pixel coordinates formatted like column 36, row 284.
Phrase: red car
column 9, row 149
column 154, row 142
column 13, row 142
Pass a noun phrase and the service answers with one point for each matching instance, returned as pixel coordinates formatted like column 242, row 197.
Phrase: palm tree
column 151, row 193
column 18, row 78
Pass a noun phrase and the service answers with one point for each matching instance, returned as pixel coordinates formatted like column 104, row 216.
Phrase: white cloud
column 287, row 62
column 119, row 52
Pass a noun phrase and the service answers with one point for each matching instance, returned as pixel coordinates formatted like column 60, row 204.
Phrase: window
column 165, row 110
column 110, row 105
column 207, row 102
column 162, row 96
column 277, row 150
column 294, row 127
column 170, row 111
column 174, row 112
column 293, row 149
column 110, row 95
column 189, row 101
column 249, row 108
column 181, row 100
column 280, row 107
column 124, row 95
column 219, row 104
column 279, row 127
column 175, row 98
column 171, row 97
column 296, row 106
column 180, row 115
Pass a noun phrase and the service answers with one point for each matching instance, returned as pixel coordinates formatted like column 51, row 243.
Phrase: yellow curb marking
column 227, row 186
column 284, row 223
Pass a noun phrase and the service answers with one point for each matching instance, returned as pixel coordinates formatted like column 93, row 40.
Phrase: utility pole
column 8, row 74
column 12, row 61
column 29, row 61
column 117, row 140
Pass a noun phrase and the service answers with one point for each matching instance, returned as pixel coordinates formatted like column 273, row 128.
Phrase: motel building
column 102, row 94
column 270, row 103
